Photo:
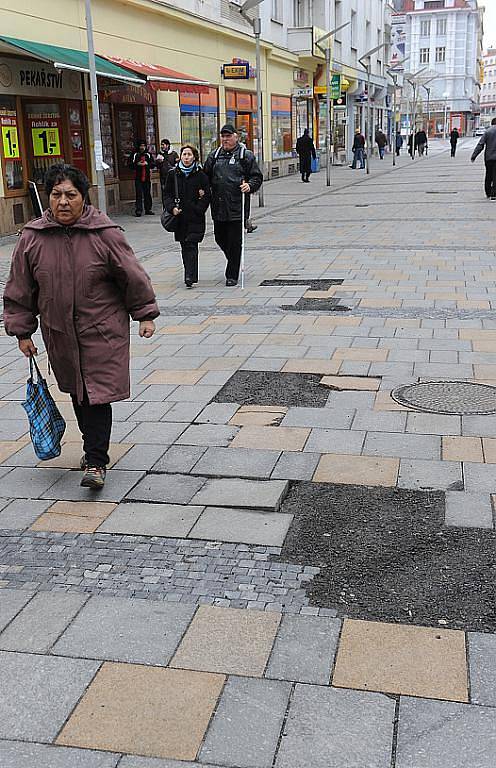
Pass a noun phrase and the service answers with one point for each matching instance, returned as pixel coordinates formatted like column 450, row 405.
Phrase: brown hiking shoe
column 94, row 477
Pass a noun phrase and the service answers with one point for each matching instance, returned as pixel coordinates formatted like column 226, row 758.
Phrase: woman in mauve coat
column 74, row 268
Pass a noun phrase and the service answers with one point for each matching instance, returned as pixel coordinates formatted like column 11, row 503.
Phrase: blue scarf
column 185, row 169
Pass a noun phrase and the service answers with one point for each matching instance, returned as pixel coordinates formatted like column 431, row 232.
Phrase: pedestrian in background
column 142, row 162
column 305, row 149
column 381, row 141
column 74, row 268
column 421, row 142
column 488, row 142
column 232, row 171
column 454, row 136
column 166, row 159
column 399, row 143
column 193, row 193
column 358, row 150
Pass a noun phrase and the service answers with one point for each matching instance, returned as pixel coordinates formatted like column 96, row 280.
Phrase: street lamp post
column 257, row 26
column 445, row 131
column 393, row 73
column 95, row 111
column 367, row 67
column 413, row 82
column 327, row 52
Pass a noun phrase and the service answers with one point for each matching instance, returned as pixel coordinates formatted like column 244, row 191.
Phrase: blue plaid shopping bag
column 46, row 424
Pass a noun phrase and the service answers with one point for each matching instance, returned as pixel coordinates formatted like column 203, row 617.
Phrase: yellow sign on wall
column 10, row 142
column 46, row 142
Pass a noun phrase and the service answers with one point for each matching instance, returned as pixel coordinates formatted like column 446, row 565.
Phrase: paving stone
column 462, row 449
column 304, row 649
column 40, row 623
column 259, row 415
column 395, row 658
column 29, row 483
column 356, row 470
column 133, row 631
column 379, row 422
column 152, row 411
column 324, row 418
column 236, row 462
column 438, row 734
column 73, row 517
column 351, row 383
column 335, row 441
column 246, row 726
column 12, row 601
column 207, row 434
column 482, row 666
column 442, row 475
column 129, row 761
column 469, row 510
column 156, row 432
column 234, row 492
column 271, row 438
column 169, row 520
column 228, row 640
column 217, row 413
column 480, row 426
column 296, row 466
column 146, row 711
column 433, row 424
column 38, row 693
column 17, row 754
column 118, row 483
column 402, row 445
column 21, row 513
column 337, row 728
column 141, row 457
column 479, row 478
column 70, row 457
column 167, row 489
column 183, row 412
column 179, row 458
column 243, row 526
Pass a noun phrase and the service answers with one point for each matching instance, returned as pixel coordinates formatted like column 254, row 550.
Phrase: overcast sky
column 489, row 23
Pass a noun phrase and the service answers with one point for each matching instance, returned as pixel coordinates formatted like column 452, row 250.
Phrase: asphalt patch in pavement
column 385, row 555
column 274, row 388
column 316, row 305
column 320, row 284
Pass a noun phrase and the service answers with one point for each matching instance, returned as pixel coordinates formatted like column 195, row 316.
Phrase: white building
column 488, row 92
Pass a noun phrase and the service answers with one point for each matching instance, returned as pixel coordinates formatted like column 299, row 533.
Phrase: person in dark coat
column 142, row 162
column 305, row 149
column 358, row 150
column 193, row 190
column 454, row 136
column 421, row 142
column 399, row 143
column 488, row 144
column 381, row 141
column 166, row 159
column 233, row 172
column 74, row 269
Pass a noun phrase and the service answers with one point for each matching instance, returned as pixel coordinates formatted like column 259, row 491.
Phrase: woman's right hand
column 27, row 347
column 176, row 211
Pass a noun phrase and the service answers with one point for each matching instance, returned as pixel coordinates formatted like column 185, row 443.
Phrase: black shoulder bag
column 168, row 220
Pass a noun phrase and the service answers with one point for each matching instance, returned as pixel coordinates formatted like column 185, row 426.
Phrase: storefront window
column 44, row 129
column 150, row 132
column 200, row 120
column 303, row 113
column 281, row 127
column 107, row 139
column 10, row 146
column 76, row 131
column 241, row 111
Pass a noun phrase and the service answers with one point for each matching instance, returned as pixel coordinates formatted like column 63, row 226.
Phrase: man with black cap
column 233, row 172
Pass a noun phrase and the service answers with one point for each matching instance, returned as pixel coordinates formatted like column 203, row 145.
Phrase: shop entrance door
column 129, row 127
column 244, row 127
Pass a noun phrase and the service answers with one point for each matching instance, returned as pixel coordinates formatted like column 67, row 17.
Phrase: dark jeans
column 358, row 157
column 95, row 425
column 189, row 252
column 453, row 150
column 228, row 238
column 143, row 191
column 490, row 183
column 381, row 152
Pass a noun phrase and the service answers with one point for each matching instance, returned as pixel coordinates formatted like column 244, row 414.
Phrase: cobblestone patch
column 316, row 284
column 273, row 388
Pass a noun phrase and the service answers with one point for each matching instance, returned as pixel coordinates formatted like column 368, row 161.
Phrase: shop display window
column 44, row 131
column 10, row 144
column 282, row 143
column 200, row 120
column 107, row 139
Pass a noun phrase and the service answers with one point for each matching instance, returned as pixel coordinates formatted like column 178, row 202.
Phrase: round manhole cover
column 452, row 397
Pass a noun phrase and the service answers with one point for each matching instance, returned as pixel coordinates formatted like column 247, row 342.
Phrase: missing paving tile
column 317, row 284
column 316, row 305
column 274, row 388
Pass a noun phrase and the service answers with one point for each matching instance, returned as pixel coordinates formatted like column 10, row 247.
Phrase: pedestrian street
column 291, row 564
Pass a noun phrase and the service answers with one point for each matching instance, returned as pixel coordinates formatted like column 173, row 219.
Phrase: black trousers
column 95, row 425
column 143, row 192
column 228, row 238
column 453, row 150
column 490, row 182
column 189, row 252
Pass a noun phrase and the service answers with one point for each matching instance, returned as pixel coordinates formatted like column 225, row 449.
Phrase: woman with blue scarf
column 189, row 203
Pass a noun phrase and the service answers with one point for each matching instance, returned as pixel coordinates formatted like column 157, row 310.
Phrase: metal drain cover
column 451, row 397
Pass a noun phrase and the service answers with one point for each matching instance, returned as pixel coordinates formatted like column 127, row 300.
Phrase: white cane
column 242, row 240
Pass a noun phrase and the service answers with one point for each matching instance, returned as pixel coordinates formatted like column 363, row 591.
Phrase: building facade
column 443, row 43
column 488, row 92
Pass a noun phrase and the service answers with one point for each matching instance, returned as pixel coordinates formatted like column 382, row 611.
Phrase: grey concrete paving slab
column 141, row 457
column 179, row 458
column 156, row 432
column 117, row 485
column 128, row 630
column 318, row 636
column 295, row 466
column 130, row 761
column 39, row 692
column 469, row 510
column 246, row 726
column 402, row 445
column 337, row 728
column 39, row 624
column 140, row 519
column 433, row 424
column 13, row 429
column 443, row 734
column 335, row 441
column 236, row 462
column 12, row 601
column 183, row 412
column 323, row 418
column 167, row 489
column 482, row 668
column 379, row 422
column 479, row 478
column 243, row 526
column 348, row 400
column 480, row 426
column 151, row 411
column 19, row 754
column 208, row 435
column 217, row 413
column 234, row 492
column 29, row 483
column 21, row 513
column 155, row 393
column 424, row 474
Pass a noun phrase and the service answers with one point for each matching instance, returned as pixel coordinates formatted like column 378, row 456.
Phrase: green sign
column 335, row 86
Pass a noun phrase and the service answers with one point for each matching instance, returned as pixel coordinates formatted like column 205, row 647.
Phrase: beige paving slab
column 307, row 365
column 228, row 640
column 485, row 371
column 148, row 711
column 384, row 402
column 258, row 415
column 356, row 353
column 477, row 334
column 409, row 660
column 489, row 449
column 352, row 382
column 182, row 329
column 380, row 303
column 229, row 319
column 222, row 363
column 484, row 345
column 73, row 516
column 174, row 377
column 235, row 302
column 9, row 447
column 271, row 438
column 468, row 304
column 72, row 451
column 462, row 449
column 357, row 470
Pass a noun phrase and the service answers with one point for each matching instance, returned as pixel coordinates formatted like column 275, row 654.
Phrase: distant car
column 479, row 132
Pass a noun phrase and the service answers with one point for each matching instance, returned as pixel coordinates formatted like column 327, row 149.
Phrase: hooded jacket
column 83, row 281
column 488, row 141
